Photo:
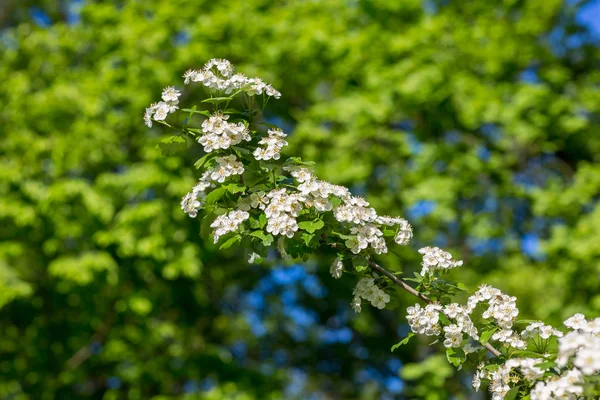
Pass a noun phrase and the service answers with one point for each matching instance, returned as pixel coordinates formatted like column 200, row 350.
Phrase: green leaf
column 486, row 335
column 171, row 145
column 360, row 263
column 254, row 223
column 335, row 201
column 307, row 237
column 342, row 236
column 403, row 341
column 230, row 242
column 267, row 239
column 546, row 365
column 527, row 353
column 241, row 150
column 233, row 111
column 217, row 100
column 298, row 160
column 525, row 321
column 235, row 188
column 512, row 393
column 215, row 195
column 455, row 356
column 263, row 220
column 194, row 111
column 311, row 226
column 200, row 163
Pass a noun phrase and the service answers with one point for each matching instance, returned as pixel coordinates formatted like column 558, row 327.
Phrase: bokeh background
column 477, row 120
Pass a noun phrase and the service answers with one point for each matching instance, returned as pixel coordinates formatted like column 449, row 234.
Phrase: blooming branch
column 257, row 201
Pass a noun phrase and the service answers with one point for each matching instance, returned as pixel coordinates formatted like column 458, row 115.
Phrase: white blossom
column 541, row 329
column 274, row 143
column 227, row 223
column 424, row 320
column 254, row 257
column 435, row 258
column 218, row 74
column 366, row 235
column 367, row 289
column 337, row 268
column 159, row 111
column 218, row 133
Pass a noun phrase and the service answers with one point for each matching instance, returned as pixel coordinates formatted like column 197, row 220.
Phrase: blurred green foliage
column 477, row 120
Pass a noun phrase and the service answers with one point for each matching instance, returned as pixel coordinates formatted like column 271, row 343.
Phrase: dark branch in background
column 86, row 351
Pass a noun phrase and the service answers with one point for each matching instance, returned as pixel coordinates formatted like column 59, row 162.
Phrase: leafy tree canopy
column 477, row 121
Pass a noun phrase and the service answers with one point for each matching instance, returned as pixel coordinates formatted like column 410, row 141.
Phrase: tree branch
column 400, row 283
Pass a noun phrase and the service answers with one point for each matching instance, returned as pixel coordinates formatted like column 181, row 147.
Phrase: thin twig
column 400, row 283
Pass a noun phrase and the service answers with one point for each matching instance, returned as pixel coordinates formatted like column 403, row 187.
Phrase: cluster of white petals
column 567, row 386
column 539, row 328
column 405, row 233
column 509, row 337
column 365, row 236
column 501, row 378
column 453, row 336
column 159, row 111
column 435, row 258
column 274, row 143
column 356, row 210
column 462, row 318
column 218, row 74
column 368, row 290
column 229, row 222
column 581, row 345
column 281, row 212
column 226, row 167
column 218, row 133
column 502, row 308
column 337, row 268
column 424, row 321
column 191, row 204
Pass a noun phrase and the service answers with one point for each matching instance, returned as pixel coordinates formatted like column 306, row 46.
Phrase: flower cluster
column 435, row 258
column 540, row 329
column 286, row 200
column 274, row 142
column 426, row 320
column 226, row 167
column 582, row 345
column 453, row 335
column 565, row 386
column 368, row 290
column 366, row 235
column 502, row 308
column 159, row 111
column 218, row 133
column 337, row 268
column 282, row 211
column 510, row 337
column 227, row 223
column 462, row 318
column 218, row 74
column 355, row 210
column 501, row 378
